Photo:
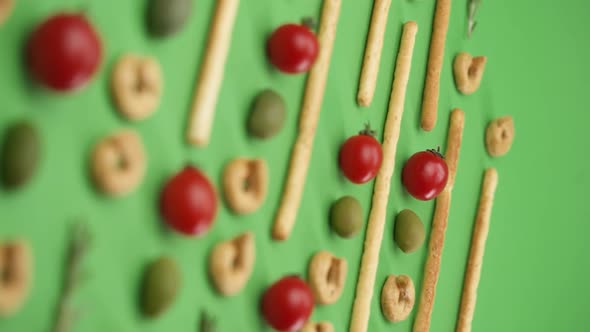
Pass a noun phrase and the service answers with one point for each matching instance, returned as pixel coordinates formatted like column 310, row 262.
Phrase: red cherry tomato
column 425, row 174
column 64, row 52
column 287, row 304
column 360, row 157
column 292, row 48
column 188, row 202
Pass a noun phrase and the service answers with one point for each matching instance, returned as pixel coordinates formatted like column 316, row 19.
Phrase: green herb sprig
column 66, row 315
column 206, row 323
column 473, row 7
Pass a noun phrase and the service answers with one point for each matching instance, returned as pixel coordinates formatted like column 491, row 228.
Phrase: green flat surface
column 535, row 271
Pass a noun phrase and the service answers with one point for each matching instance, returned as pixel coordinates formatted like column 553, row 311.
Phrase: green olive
column 161, row 283
column 346, row 216
column 409, row 231
column 268, row 115
column 166, row 17
column 19, row 155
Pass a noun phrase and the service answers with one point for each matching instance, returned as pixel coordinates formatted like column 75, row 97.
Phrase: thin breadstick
column 6, row 7
column 435, row 62
column 366, row 281
column 308, row 120
column 478, row 242
column 439, row 225
column 373, row 52
column 454, row 139
column 211, row 77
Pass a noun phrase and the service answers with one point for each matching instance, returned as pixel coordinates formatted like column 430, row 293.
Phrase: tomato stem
column 84, row 8
column 310, row 22
column 436, row 152
column 368, row 131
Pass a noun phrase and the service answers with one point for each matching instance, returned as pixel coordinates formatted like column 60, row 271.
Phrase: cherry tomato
column 425, row 174
column 188, row 202
column 292, row 48
column 64, row 52
column 287, row 304
column 360, row 157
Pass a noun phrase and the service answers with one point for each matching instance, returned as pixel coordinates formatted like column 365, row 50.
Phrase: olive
column 268, row 114
column 346, row 216
column 166, row 17
column 409, row 231
column 19, row 155
column 161, row 283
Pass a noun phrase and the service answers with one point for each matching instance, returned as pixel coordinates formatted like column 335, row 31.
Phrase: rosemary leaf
column 207, row 323
column 80, row 243
column 473, row 7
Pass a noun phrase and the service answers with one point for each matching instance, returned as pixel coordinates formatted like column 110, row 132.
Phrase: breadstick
column 6, row 7
column 454, row 139
column 478, row 242
column 211, row 77
column 435, row 62
column 439, row 225
column 373, row 52
column 308, row 119
column 366, row 280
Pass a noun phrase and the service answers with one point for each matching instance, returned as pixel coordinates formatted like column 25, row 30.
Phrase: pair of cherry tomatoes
column 63, row 53
column 424, row 175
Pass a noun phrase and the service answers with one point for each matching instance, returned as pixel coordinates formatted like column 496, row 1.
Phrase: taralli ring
column 327, row 275
column 231, row 264
column 16, row 270
column 468, row 72
column 499, row 136
column 397, row 298
column 317, row 327
column 245, row 184
column 6, row 7
column 136, row 85
column 118, row 163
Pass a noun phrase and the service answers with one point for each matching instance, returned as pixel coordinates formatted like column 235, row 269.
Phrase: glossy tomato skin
column 64, row 52
column 287, row 304
column 360, row 158
column 188, row 202
column 292, row 48
column 425, row 175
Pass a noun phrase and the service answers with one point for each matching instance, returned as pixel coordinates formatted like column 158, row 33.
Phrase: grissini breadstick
column 478, row 242
column 439, row 225
column 308, row 119
column 435, row 62
column 6, row 7
column 454, row 140
column 211, row 76
column 373, row 52
column 370, row 259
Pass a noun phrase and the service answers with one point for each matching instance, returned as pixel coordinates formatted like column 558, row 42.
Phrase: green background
column 536, row 266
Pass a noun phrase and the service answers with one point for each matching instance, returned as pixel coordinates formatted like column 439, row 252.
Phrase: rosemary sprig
column 80, row 243
column 473, row 7
column 207, row 323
